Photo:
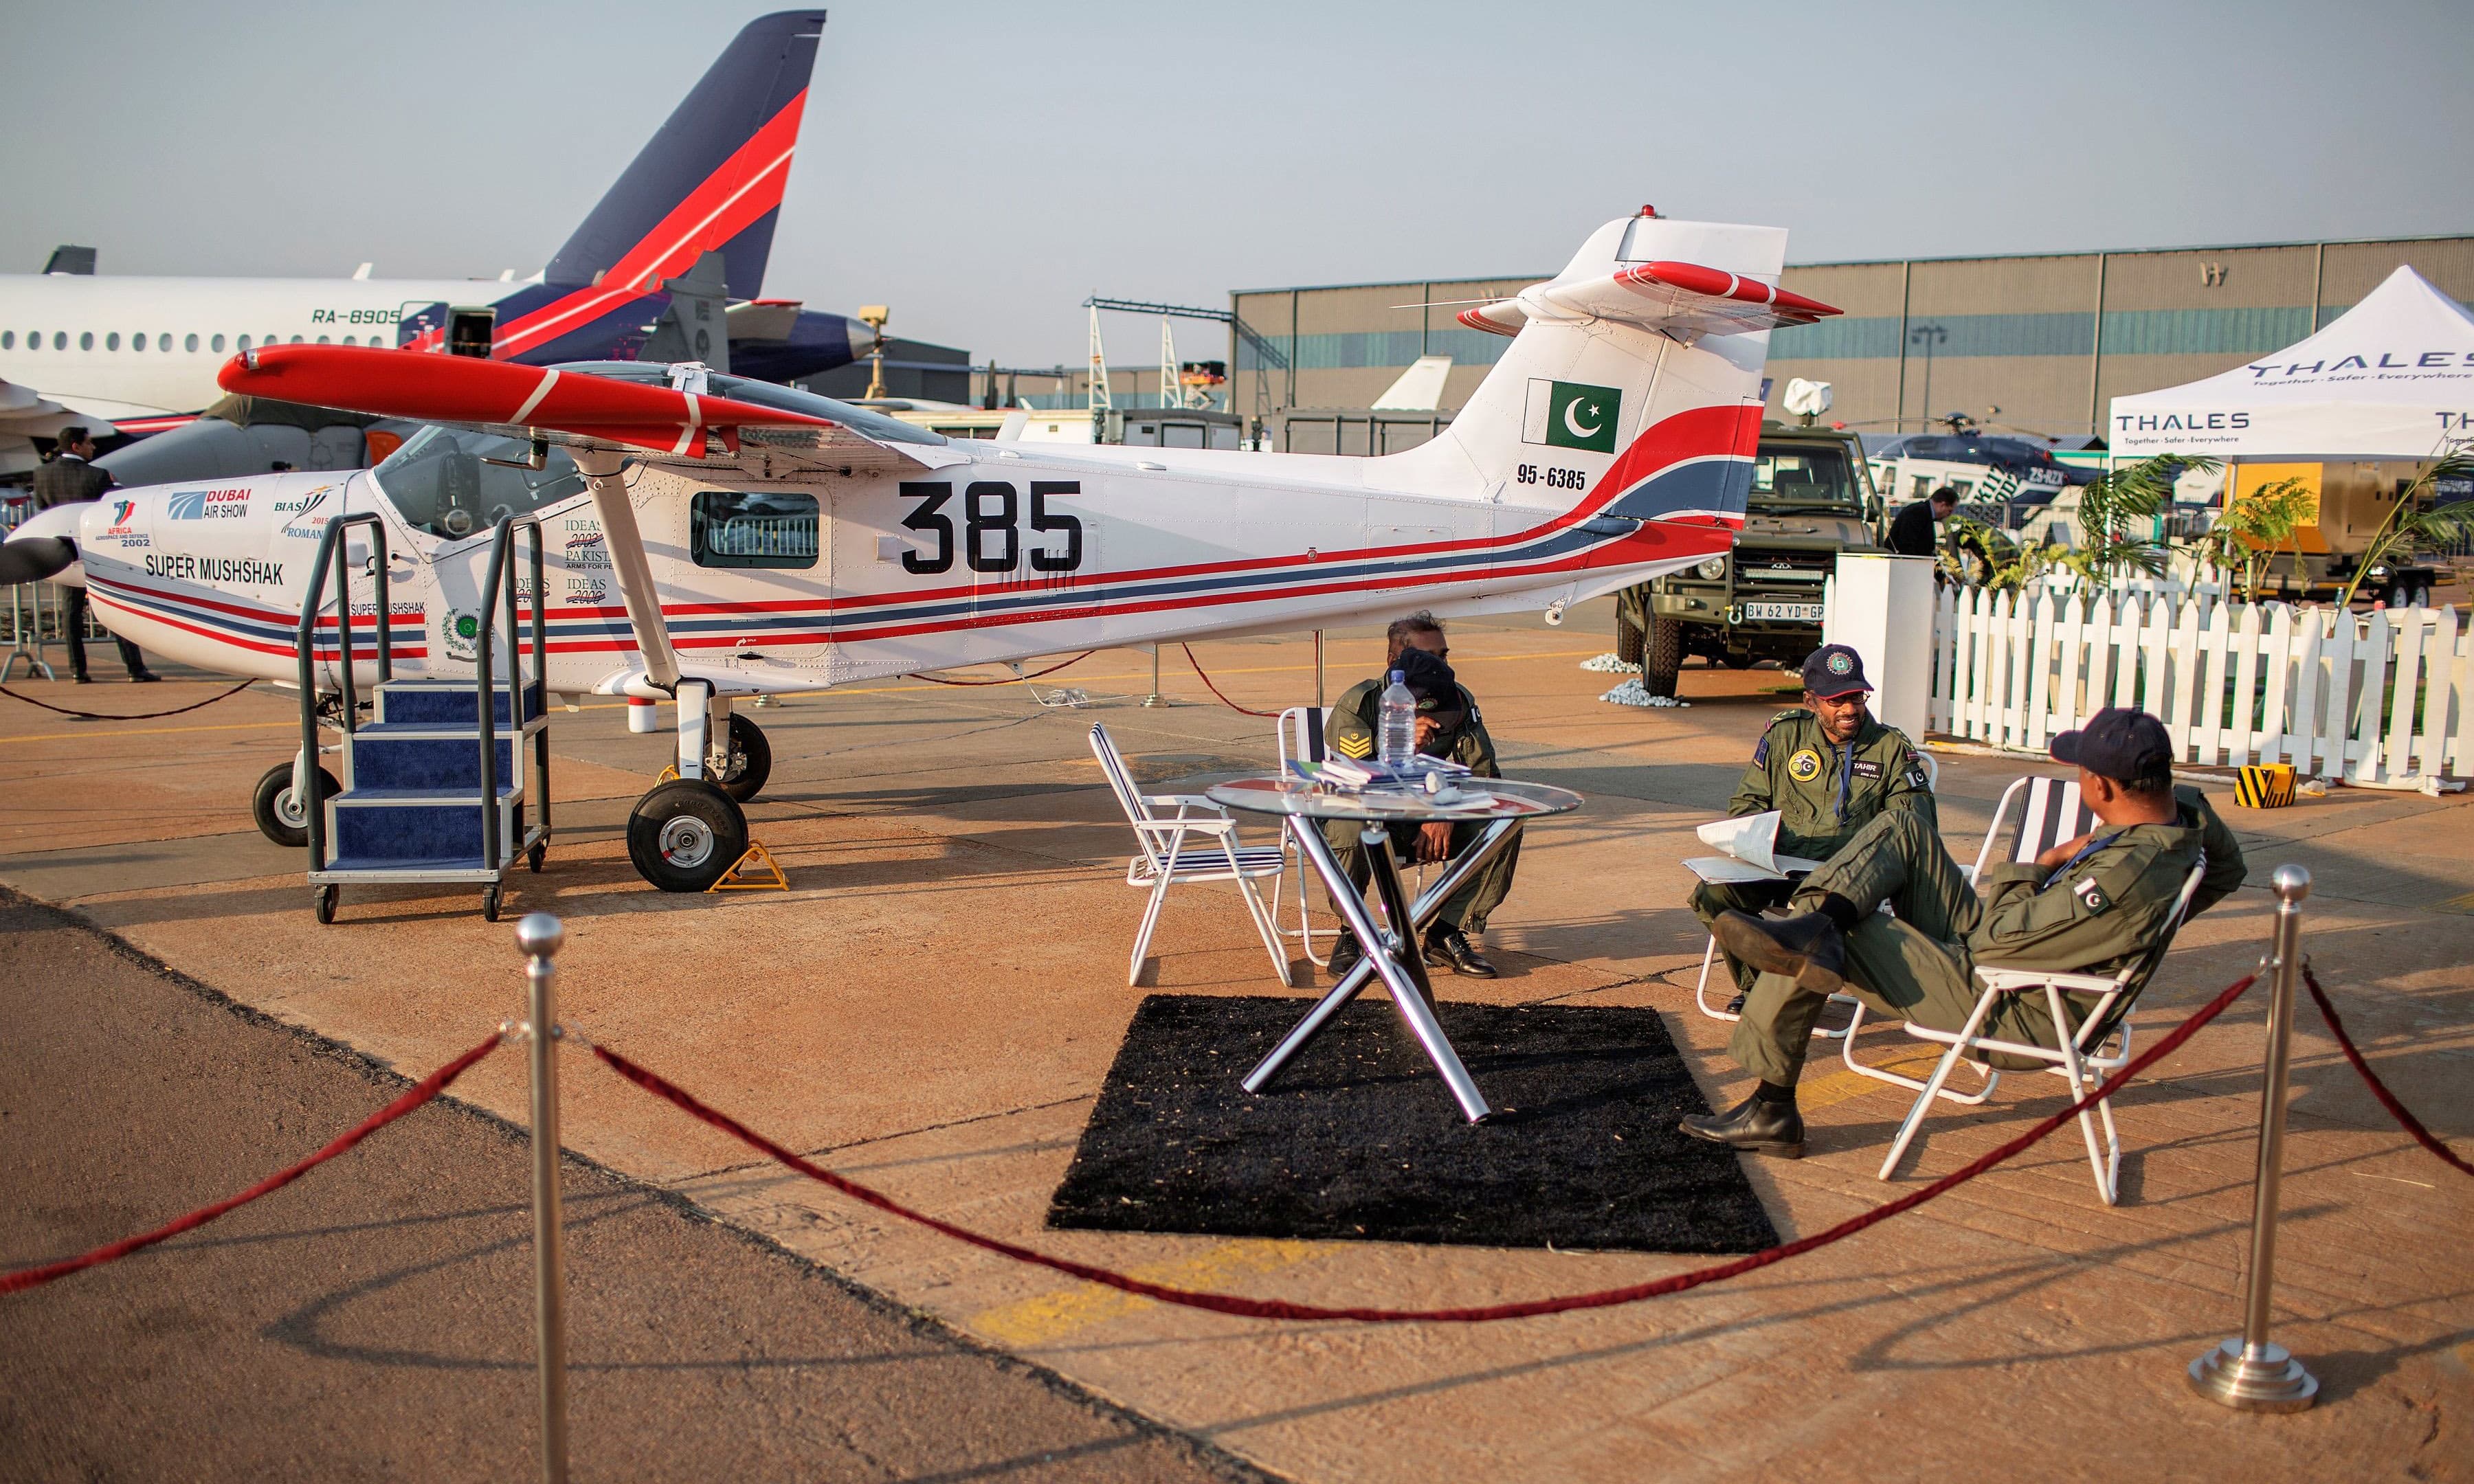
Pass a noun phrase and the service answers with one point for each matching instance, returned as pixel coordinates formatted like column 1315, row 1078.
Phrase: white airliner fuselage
column 128, row 348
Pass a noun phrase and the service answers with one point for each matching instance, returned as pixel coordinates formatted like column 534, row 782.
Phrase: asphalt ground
column 373, row 1319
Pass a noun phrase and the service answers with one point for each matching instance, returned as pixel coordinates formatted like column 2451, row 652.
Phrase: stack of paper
column 1354, row 777
column 1750, row 844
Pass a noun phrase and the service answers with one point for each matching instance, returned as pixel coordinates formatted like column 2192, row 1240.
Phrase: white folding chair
column 2048, row 812
column 1300, row 737
column 2078, row 1056
column 1167, row 860
column 1710, row 948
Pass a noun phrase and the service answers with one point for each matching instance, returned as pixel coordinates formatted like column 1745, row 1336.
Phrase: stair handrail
column 498, row 585
column 306, row 645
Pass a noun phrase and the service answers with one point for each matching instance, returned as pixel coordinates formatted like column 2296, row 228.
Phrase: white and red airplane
column 712, row 540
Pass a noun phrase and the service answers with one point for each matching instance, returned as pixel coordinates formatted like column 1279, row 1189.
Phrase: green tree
column 2246, row 536
column 2117, row 519
column 2412, row 522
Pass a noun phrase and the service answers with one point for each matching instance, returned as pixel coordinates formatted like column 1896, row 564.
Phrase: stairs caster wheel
column 685, row 834
column 489, row 904
column 324, row 903
column 536, row 855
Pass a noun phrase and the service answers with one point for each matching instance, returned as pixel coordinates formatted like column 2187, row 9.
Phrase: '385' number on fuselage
column 993, row 528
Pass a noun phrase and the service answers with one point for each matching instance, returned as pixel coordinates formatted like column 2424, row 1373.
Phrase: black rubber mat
column 1359, row 1140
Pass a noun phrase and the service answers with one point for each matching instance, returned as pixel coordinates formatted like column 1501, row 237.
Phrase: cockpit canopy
column 452, row 483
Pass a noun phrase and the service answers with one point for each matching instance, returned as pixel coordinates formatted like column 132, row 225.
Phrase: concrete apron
column 934, row 1003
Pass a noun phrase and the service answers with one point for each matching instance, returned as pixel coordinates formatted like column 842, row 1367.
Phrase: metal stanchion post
column 1318, row 669
column 540, row 935
column 1153, row 699
column 2249, row 1373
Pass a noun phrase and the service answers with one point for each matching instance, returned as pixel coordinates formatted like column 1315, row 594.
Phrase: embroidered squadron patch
column 1839, row 664
column 1804, row 766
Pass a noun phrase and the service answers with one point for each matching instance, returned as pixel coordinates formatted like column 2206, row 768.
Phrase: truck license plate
column 1784, row 612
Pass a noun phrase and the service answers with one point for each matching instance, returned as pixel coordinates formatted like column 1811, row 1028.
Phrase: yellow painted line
column 1842, row 1085
column 1050, row 1317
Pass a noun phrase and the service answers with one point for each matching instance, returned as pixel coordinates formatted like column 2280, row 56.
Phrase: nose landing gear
column 689, row 831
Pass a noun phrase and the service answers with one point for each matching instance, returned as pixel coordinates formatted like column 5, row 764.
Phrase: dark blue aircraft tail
column 710, row 179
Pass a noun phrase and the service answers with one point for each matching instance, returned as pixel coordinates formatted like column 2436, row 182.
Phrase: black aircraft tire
column 684, row 834
column 751, row 758
column 1662, row 656
column 271, row 806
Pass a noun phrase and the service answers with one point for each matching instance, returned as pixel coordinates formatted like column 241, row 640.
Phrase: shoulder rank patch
column 2090, row 895
column 1762, row 750
column 1804, row 766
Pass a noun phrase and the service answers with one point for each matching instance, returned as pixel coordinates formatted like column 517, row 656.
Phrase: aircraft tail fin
column 710, row 179
column 1634, row 376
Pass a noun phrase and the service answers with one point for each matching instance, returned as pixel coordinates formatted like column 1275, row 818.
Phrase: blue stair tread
column 374, row 863
column 467, row 796
column 432, row 732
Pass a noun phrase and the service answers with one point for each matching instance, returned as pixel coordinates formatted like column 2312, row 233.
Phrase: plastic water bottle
column 1395, row 740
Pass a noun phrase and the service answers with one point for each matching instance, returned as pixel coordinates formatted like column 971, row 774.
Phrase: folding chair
column 1299, row 736
column 1165, row 861
column 1701, row 868
column 2050, row 812
column 2078, row 1056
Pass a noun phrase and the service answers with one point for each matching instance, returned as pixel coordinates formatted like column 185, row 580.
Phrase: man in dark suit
column 71, row 479
column 1912, row 530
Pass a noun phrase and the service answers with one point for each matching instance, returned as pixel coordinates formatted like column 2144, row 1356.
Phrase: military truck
column 1811, row 499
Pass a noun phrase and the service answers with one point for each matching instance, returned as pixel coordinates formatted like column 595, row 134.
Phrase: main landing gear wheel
column 280, row 816
column 685, row 834
column 324, row 903
column 750, row 761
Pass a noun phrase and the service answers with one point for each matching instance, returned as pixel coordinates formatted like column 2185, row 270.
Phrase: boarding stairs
column 435, row 787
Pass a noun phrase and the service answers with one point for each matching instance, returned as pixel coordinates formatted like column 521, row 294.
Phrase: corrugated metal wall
column 2049, row 339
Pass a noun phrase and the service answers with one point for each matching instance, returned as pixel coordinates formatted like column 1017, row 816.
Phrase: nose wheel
column 684, row 834
column 280, row 816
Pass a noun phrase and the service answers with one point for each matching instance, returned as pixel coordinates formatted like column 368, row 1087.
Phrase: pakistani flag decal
column 1571, row 415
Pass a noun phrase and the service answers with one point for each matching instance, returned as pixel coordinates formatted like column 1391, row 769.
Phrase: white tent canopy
column 2390, row 378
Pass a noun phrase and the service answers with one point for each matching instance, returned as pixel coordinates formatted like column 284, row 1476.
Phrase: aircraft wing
column 1687, row 299
column 572, row 408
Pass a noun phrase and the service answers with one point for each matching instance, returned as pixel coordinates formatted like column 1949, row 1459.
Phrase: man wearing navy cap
column 1828, row 767
column 2089, row 906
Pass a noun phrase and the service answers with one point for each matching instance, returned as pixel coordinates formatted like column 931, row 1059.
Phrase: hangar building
column 2049, row 339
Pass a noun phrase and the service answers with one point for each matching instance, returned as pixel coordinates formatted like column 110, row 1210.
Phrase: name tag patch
column 1865, row 770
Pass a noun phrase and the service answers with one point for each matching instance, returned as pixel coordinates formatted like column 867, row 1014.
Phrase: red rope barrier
column 422, row 1091
column 1215, row 690
column 140, row 716
column 1279, row 1309
column 936, row 680
column 2380, row 1090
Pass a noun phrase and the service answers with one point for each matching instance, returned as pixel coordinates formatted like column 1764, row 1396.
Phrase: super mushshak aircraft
column 710, row 539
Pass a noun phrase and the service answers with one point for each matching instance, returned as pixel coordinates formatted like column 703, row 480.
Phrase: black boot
column 1755, row 1126
column 1344, row 954
column 1448, row 947
column 1807, row 948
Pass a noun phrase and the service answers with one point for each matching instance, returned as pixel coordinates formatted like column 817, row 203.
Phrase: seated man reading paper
column 2090, row 906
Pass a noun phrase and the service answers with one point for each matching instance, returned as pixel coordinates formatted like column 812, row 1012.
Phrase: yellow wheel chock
column 755, row 870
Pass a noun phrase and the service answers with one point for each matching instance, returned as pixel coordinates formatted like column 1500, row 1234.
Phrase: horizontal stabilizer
column 1682, row 297
column 1503, row 316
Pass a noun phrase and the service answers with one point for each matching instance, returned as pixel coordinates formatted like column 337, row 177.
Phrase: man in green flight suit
column 2089, row 906
column 1827, row 768
column 1449, row 726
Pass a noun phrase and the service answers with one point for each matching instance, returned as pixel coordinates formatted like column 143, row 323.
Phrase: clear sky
column 982, row 167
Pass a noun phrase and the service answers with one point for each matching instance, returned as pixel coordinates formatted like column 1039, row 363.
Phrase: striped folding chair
column 1169, row 859
column 1299, row 738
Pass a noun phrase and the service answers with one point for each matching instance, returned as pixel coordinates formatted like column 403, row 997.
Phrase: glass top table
column 1395, row 956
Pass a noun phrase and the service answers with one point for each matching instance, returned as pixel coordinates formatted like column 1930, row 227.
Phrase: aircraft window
column 8, row 340
column 244, row 345
column 217, row 344
column 322, row 340
column 59, row 340
column 85, row 340
column 296, row 340
column 773, row 529
column 438, row 480
column 355, row 340
column 138, row 343
column 191, row 344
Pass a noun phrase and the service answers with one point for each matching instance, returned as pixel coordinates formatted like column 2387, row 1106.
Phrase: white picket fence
column 2380, row 699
